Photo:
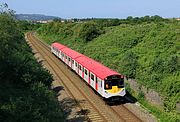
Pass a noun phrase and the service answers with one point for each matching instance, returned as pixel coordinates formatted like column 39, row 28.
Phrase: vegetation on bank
column 145, row 49
column 25, row 94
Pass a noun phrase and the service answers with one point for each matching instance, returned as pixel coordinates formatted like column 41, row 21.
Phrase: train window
column 114, row 82
column 121, row 83
column 108, row 84
column 92, row 77
column 76, row 64
column 118, row 82
column 85, row 71
column 72, row 61
column 69, row 59
column 80, row 67
column 66, row 57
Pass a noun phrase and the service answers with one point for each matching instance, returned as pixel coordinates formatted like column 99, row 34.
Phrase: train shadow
column 57, row 90
column 68, row 105
column 128, row 98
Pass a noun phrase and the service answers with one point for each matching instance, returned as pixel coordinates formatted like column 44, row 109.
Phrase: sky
column 96, row 8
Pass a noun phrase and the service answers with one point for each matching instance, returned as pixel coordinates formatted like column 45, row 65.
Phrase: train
column 107, row 83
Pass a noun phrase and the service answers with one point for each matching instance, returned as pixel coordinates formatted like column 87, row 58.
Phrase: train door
column 63, row 57
column 66, row 59
column 100, row 88
column 86, row 74
column 76, row 67
column 69, row 61
column 80, row 70
column 59, row 54
column 54, row 50
column 72, row 64
column 92, row 81
column 96, row 84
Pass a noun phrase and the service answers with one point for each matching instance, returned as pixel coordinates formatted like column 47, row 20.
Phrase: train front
column 114, row 87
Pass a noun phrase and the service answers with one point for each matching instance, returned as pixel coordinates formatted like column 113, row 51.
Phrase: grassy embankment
column 25, row 86
column 148, row 52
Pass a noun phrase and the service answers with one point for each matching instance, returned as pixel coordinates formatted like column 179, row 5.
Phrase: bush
column 129, row 64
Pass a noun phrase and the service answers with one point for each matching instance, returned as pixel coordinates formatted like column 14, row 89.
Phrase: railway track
column 96, row 109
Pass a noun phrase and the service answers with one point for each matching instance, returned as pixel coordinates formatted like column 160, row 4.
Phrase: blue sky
column 97, row 8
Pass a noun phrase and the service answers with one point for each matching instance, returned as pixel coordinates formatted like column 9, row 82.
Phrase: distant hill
column 34, row 17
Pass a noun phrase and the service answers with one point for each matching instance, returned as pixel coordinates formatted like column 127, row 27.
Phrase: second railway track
column 78, row 90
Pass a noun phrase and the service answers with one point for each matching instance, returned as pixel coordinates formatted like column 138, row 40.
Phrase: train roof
column 97, row 68
column 71, row 53
column 58, row 45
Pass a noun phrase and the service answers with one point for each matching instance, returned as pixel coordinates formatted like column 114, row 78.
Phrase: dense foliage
column 27, row 25
column 24, row 84
column 145, row 49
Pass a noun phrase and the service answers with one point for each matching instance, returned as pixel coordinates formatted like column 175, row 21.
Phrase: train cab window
column 121, row 83
column 92, row 77
column 108, row 84
column 85, row 71
column 118, row 82
column 114, row 82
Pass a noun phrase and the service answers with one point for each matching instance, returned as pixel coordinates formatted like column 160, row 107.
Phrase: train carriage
column 56, row 49
column 106, row 82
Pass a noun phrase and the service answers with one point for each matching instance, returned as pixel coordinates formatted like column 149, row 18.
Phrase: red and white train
column 108, row 83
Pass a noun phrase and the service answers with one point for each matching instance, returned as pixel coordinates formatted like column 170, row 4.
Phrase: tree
column 89, row 31
column 24, row 84
column 4, row 9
